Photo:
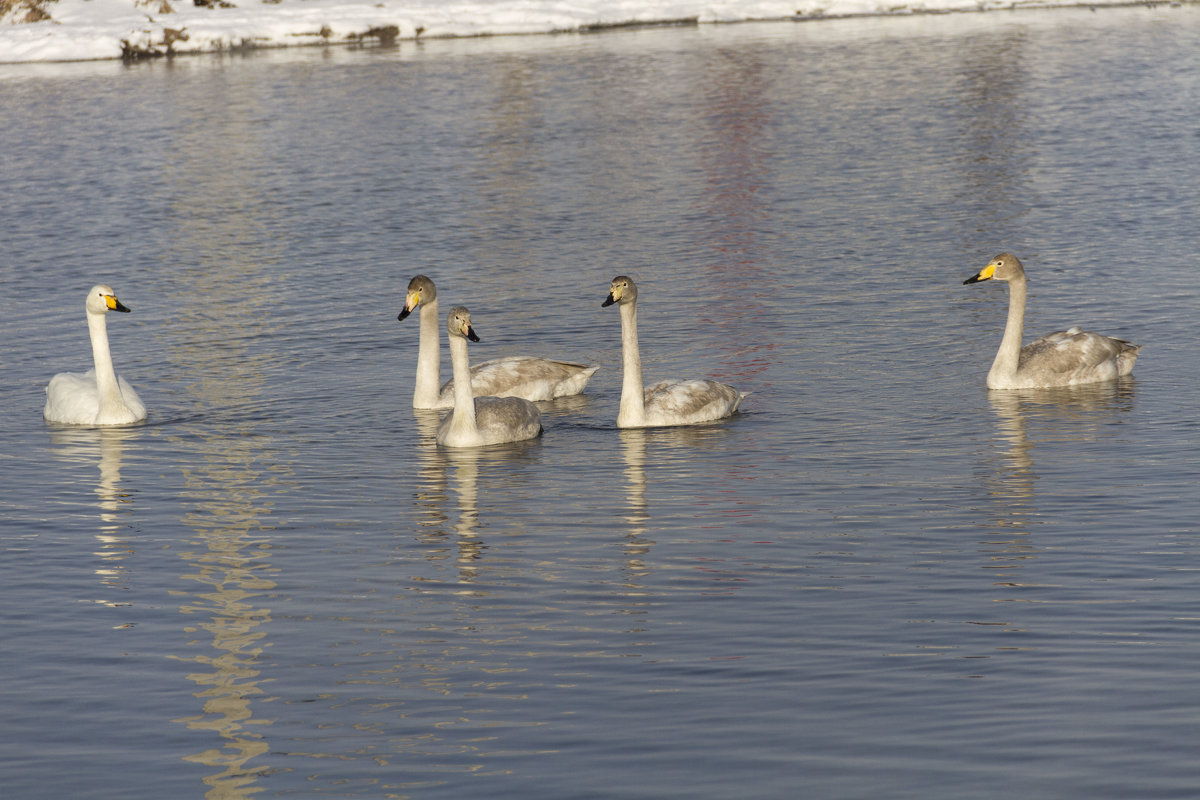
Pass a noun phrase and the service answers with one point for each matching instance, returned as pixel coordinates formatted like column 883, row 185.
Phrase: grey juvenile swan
column 512, row 376
column 666, row 402
column 1062, row 358
column 477, row 421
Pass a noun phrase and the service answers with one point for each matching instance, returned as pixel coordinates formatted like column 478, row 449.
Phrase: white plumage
column 98, row 396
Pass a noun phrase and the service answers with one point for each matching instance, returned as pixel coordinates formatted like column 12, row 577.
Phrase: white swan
column 98, row 396
column 477, row 421
column 666, row 402
column 1062, row 358
column 512, row 376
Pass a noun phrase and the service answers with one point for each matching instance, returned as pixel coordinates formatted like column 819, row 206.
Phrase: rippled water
column 880, row 580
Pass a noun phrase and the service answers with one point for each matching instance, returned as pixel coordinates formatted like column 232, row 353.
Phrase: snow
column 80, row 30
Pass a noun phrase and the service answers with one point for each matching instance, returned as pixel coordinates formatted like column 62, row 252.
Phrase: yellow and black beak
column 985, row 274
column 614, row 296
column 114, row 304
column 411, row 301
column 471, row 333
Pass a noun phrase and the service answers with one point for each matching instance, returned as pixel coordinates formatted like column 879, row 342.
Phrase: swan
column 1062, row 358
column 512, row 376
column 477, row 421
column 666, row 402
column 98, row 396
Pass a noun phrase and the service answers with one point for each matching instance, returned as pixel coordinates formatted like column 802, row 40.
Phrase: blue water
column 877, row 581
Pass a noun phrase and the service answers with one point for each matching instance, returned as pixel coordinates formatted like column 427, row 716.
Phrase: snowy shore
column 81, row 30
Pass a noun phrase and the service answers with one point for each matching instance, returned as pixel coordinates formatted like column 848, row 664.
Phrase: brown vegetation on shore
column 25, row 10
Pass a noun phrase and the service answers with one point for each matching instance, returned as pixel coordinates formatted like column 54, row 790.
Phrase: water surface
column 879, row 580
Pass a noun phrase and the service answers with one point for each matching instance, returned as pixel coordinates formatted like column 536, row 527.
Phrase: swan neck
column 429, row 357
column 1008, row 357
column 632, row 412
column 463, row 421
column 107, row 389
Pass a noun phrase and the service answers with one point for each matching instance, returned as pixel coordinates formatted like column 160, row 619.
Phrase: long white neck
column 632, row 412
column 463, row 422
column 107, row 389
column 1004, row 368
column 429, row 358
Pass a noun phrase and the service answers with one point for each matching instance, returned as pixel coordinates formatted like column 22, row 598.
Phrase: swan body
column 1062, row 358
column 478, row 421
column 98, row 396
column 664, row 403
column 512, row 376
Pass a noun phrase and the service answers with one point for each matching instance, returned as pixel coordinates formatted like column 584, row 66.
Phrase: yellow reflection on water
column 231, row 471
column 231, row 567
column 229, row 492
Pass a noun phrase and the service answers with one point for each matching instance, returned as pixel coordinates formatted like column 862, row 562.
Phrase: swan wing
column 72, row 398
column 134, row 403
column 524, row 376
column 1077, row 356
column 507, row 419
column 690, row 402
column 498, row 420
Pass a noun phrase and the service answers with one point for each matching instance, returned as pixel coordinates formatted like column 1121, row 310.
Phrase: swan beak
column 471, row 334
column 608, row 301
column 410, row 302
column 114, row 304
column 984, row 274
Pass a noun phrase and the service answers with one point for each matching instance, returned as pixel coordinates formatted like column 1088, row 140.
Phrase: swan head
column 102, row 299
column 420, row 290
column 458, row 322
column 623, row 290
column 1004, row 267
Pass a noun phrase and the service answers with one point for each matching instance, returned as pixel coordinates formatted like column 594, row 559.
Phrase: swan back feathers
column 1076, row 356
column 690, row 402
column 532, row 378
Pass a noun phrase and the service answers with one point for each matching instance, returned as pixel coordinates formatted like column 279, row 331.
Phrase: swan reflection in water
column 448, row 491
column 637, row 516
column 104, row 447
column 661, row 457
column 1030, row 420
column 430, row 497
column 466, row 485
